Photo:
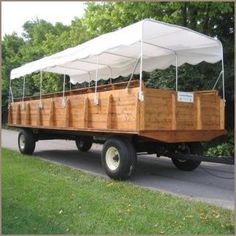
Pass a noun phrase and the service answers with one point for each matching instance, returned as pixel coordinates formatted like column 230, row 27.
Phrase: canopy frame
column 136, row 60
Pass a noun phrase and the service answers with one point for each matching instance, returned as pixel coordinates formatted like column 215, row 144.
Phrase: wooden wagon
column 126, row 116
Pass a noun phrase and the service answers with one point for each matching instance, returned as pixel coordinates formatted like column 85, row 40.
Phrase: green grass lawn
column 39, row 197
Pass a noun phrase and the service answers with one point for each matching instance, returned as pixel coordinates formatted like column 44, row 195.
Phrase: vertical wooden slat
column 39, row 119
column 222, row 114
column 137, row 109
column 109, row 112
column 27, row 114
column 51, row 113
column 18, row 114
column 85, row 113
column 173, row 117
column 199, row 112
column 67, row 113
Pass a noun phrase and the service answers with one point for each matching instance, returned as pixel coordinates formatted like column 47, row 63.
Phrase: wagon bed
column 159, row 117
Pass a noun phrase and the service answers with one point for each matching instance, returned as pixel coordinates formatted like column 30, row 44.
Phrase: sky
column 15, row 14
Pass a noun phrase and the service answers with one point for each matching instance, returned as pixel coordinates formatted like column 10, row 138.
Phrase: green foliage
column 223, row 146
column 224, row 149
column 41, row 38
column 40, row 197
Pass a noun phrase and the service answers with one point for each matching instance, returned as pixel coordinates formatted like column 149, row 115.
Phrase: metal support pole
column 10, row 95
column 223, row 73
column 96, row 85
column 217, row 79
column 176, row 72
column 110, row 75
column 131, row 76
column 63, row 96
column 40, row 92
column 141, row 96
column 23, row 94
column 90, row 79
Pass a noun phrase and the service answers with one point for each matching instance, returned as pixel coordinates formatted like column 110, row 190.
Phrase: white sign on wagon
column 185, row 97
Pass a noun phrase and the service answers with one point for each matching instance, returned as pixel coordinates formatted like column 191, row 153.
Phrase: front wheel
column 118, row 158
column 26, row 142
column 188, row 165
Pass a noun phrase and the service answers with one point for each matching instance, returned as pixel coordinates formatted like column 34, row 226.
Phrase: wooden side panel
column 160, row 116
column 163, row 112
column 115, row 111
column 184, row 116
column 157, row 109
column 210, row 111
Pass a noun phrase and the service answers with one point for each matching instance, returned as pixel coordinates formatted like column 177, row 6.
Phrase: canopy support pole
column 131, row 76
column 63, row 92
column 10, row 96
column 140, row 95
column 110, row 75
column 176, row 72
column 217, row 80
column 89, row 79
column 96, row 86
column 40, row 92
column 23, row 94
column 223, row 73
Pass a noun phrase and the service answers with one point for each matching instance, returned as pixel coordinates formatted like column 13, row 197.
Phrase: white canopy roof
column 115, row 54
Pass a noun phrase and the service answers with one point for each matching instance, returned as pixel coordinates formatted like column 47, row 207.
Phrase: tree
column 41, row 38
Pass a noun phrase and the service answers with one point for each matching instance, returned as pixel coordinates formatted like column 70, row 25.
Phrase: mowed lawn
column 39, row 197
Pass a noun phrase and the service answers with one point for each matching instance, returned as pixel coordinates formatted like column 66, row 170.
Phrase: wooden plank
column 67, row 113
column 199, row 113
column 173, row 118
column 27, row 120
column 39, row 117
column 18, row 114
column 85, row 113
column 137, row 109
column 222, row 114
column 51, row 114
column 109, row 112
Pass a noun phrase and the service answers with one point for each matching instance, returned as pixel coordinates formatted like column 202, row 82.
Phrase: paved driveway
column 212, row 183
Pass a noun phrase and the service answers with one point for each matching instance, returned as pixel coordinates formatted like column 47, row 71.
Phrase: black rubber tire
column 84, row 143
column 127, row 156
column 29, row 142
column 189, row 165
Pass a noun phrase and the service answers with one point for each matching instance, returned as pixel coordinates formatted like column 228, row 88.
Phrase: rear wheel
column 84, row 143
column 188, row 165
column 118, row 158
column 26, row 142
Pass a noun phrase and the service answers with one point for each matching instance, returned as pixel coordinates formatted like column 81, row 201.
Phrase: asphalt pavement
column 211, row 182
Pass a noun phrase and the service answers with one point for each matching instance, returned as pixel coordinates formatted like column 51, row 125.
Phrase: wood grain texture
column 160, row 116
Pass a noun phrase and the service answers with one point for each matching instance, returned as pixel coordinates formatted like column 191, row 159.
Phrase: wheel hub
column 22, row 142
column 112, row 158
